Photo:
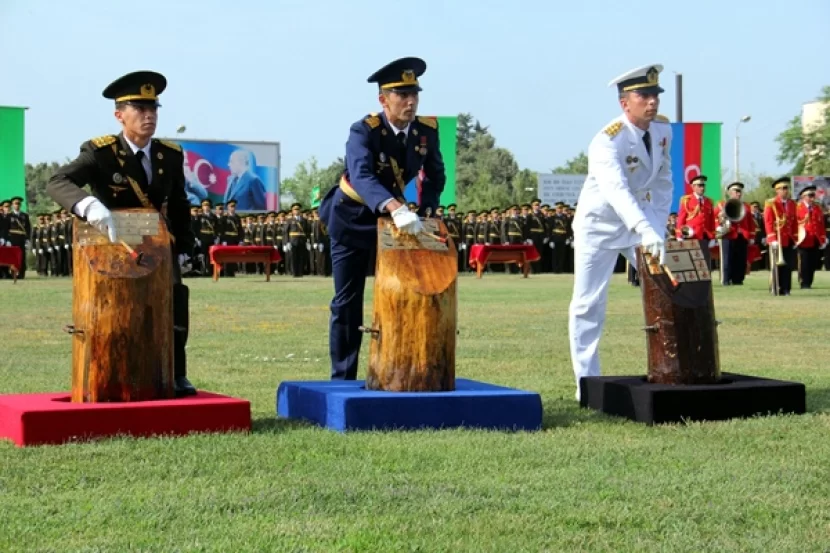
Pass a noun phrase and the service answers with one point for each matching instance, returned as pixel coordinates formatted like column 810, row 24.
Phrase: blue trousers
column 349, row 268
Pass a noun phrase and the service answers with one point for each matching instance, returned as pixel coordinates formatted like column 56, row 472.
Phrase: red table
column 12, row 257
column 243, row 254
column 520, row 254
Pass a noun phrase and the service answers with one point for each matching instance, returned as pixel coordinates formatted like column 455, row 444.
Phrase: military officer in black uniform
column 383, row 152
column 231, row 234
column 132, row 170
column 18, row 229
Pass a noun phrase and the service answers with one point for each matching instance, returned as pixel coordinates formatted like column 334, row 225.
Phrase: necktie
column 647, row 142
column 139, row 155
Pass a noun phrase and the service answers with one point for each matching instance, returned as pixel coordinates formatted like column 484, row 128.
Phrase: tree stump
column 415, row 311
column 680, row 320
column 122, row 336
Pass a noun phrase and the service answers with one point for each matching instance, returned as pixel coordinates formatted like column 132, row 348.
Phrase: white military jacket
column 625, row 186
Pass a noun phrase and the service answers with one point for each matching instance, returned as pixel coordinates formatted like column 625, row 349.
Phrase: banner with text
column 248, row 172
column 560, row 188
column 12, row 156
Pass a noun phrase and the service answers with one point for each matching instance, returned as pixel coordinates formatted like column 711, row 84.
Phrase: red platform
column 37, row 419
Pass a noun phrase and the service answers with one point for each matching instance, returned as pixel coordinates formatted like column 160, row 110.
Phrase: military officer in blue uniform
column 384, row 151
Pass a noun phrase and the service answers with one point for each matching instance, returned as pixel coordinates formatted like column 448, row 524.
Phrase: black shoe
column 183, row 387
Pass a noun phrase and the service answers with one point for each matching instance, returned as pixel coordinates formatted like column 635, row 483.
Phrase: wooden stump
column 122, row 336
column 680, row 316
column 415, row 311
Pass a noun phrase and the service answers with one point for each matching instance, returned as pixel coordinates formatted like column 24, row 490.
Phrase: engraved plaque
column 129, row 227
column 391, row 240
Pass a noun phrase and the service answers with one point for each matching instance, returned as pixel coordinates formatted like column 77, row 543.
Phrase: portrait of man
column 244, row 186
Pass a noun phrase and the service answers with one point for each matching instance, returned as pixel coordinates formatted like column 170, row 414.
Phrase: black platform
column 735, row 396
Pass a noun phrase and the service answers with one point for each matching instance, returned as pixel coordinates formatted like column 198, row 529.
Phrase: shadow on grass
column 818, row 400
column 562, row 413
column 273, row 425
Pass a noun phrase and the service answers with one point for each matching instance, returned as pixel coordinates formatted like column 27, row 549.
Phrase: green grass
column 586, row 482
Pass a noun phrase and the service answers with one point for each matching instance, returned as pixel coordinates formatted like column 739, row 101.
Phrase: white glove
column 100, row 217
column 50, row 250
column 545, row 241
column 216, row 241
column 40, row 251
column 198, row 242
column 2, row 242
column 529, row 242
column 314, row 245
column 183, row 259
column 824, row 245
column 719, row 229
column 407, row 221
column 487, row 243
column 751, row 241
column 308, row 246
column 553, row 245
column 463, row 246
column 66, row 246
column 320, row 247
column 224, row 243
column 763, row 241
column 653, row 243
column 28, row 245
column 288, row 247
column 691, row 233
column 712, row 243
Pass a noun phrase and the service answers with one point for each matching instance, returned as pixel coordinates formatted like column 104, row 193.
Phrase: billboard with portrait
column 219, row 170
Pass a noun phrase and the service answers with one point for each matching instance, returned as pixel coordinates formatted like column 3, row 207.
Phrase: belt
column 230, row 234
column 296, row 234
column 513, row 234
column 17, row 232
column 347, row 189
column 537, row 230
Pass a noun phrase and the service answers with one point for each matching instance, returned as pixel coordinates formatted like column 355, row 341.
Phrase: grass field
column 586, row 482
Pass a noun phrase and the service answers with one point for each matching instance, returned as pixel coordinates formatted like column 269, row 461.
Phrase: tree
column 807, row 149
column 309, row 175
column 575, row 166
column 37, row 177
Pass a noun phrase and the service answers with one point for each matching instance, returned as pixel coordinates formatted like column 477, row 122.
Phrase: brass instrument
column 733, row 211
column 686, row 231
column 779, row 257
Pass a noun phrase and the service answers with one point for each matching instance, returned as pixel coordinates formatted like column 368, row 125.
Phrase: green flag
column 12, row 162
column 315, row 197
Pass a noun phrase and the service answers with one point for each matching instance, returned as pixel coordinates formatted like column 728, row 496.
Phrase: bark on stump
column 415, row 311
column 122, row 336
column 679, row 309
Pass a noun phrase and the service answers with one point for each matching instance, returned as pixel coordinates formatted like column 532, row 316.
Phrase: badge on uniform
column 158, row 155
column 423, row 149
column 117, row 178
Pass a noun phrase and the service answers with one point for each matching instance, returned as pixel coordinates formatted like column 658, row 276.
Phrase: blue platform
column 347, row 405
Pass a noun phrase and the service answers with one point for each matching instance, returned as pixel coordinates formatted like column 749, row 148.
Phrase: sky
column 294, row 72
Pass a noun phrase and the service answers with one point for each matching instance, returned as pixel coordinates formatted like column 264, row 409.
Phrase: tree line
column 487, row 175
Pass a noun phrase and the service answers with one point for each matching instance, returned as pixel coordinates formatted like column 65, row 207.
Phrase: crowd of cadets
column 304, row 246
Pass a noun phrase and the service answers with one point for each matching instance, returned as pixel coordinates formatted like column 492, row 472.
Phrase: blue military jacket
column 377, row 170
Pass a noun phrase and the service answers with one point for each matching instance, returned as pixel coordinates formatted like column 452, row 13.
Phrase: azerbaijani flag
column 695, row 150
column 447, row 135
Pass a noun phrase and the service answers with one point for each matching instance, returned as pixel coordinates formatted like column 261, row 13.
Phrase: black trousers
column 299, row 257
column 733, row 260
column 181, row 319
column 784, row 272
column 808, row 262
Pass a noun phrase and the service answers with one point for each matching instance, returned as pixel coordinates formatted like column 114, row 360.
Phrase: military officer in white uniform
column 624, row 202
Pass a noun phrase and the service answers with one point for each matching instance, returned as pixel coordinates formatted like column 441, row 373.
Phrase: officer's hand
column 320, row 247
column 763, row 241
column 308, row 246
column 2, row 242
column 198, row 242
column 751, row 241
column 653, row 243
column 553, row 245
column 224, row 243
column 100, row 217
column 529, row 242
column 66, row 247
column 712, row 243
column 545, row 241
column 824, row 245
column 407, row 221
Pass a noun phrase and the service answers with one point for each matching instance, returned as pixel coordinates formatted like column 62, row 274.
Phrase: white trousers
column 593, row 269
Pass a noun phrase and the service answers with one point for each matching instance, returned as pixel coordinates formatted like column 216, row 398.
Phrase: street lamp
column 743, row 119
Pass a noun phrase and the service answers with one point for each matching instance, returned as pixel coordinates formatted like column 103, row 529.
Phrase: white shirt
column 145, row 161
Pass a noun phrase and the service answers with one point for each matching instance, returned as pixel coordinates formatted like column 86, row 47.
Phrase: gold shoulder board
column 171, row 145
column 104, row 141
column 684, row 199
column 661, row 118
column 373, row 121
column 770, row 201
column 430, row 122
column 613, row 129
